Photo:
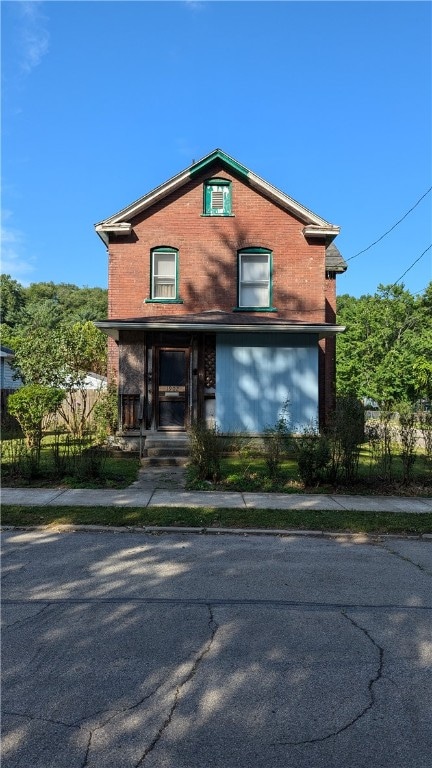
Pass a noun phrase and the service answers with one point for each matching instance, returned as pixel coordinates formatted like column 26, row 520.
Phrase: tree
column 48, row 304
column 12, row 300
column 62, row 358
column 32, row 405
column 422, row 370
column 386, row 334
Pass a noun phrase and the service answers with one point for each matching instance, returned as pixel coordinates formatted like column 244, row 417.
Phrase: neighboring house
column 95, row 381
column 8, row 385
column 222, row 303
column 6, row 371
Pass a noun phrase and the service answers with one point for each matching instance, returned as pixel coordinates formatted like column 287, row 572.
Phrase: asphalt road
column 188, row 651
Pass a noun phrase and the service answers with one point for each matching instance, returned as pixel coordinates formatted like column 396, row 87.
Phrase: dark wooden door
column 172, row 388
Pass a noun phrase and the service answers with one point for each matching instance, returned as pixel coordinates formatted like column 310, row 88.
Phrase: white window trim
column 244, row 283
column 171, row 280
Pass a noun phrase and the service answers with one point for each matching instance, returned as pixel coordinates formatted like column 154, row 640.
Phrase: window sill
column 217, row 215
column 255, row 309
column 163, row 301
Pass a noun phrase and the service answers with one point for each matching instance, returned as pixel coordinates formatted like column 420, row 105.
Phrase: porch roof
column 216, row 321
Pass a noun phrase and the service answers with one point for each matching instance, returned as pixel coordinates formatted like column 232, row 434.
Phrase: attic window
column 217, row 197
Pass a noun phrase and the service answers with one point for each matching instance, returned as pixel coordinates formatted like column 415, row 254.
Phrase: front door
column 172, row 390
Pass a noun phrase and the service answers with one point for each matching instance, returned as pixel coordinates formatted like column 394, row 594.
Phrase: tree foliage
column 385, row 352
column 62, row 358
column 47, row 305
column 32, row 405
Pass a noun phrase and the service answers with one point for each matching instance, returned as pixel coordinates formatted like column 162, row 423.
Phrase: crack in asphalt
column 404, row 558
column 32, row 718
column 87, row 752
column 371, row 685
column 213, row 629
column 27, row 618
column 204, row 601
column 116, row 713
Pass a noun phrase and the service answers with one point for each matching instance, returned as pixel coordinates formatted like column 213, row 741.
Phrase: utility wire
column 414, row 262
column 391, row 229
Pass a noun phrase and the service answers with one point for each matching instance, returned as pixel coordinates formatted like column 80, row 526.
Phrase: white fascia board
column 147, row 200
column 104, row 230
column 121, row 228
column 329, row 231
column 323, row 331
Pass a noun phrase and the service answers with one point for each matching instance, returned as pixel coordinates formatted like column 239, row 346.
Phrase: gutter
column 112, row 328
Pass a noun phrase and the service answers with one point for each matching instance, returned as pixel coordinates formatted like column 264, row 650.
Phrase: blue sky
column 328, row 101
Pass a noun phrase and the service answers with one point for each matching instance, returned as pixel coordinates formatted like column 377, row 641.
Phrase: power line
column 418, row 293
column 391, row 228
column 412, row 265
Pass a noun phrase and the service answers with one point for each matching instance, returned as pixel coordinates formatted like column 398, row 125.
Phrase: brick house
column 222, row 303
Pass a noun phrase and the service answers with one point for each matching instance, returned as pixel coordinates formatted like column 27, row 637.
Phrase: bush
column 408, row 439
column 276, row 442
column 106, row 412
column 32, row 405
column 20, row 462
column 425, row 424
column 313, row 455
column 206, row 449
column 346, row 434
column 381, row 435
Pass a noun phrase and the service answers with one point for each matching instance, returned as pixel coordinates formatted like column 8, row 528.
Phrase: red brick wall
column 208, row 255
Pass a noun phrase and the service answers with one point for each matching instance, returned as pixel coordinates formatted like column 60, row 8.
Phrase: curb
column 355, row 538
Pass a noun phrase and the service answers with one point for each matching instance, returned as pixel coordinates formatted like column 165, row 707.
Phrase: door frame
column 157, row 398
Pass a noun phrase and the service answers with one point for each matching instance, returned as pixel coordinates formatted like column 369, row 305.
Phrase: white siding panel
column 257, row 373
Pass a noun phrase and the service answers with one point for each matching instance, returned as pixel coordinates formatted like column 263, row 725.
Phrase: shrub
column 346, row 434
column 32, row 405
column 20, row 462
column 206, row 448
column 425, row 424
column 106, row 412
column 408, row 439
column 276, row 442
column 313, row 455
column 387, row 431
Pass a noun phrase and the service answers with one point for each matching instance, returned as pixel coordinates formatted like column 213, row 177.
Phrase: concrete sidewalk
column 136, row 496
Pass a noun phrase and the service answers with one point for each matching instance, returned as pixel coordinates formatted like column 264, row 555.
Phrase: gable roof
column 119, row 223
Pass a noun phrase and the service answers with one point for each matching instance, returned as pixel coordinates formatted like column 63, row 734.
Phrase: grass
column 209, row 517
column 73, row 467
column 116, row 473
column 250, row 475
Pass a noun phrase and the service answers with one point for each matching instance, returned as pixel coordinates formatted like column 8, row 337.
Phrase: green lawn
column 65, row 463
column 208, row 517
column 250, row 475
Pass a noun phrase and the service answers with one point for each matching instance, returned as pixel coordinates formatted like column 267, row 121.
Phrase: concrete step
column 164, row 461
column 166, row 450
column 164, row 442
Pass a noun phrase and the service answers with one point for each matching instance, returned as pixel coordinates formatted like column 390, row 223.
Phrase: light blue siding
column 257, row 373
column 6, row 376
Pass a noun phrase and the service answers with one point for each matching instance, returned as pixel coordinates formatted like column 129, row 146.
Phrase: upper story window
column 217, row 197
column 164, row 274
column 254, row 279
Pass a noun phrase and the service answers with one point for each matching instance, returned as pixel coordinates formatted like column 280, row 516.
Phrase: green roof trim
column 218, row 155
